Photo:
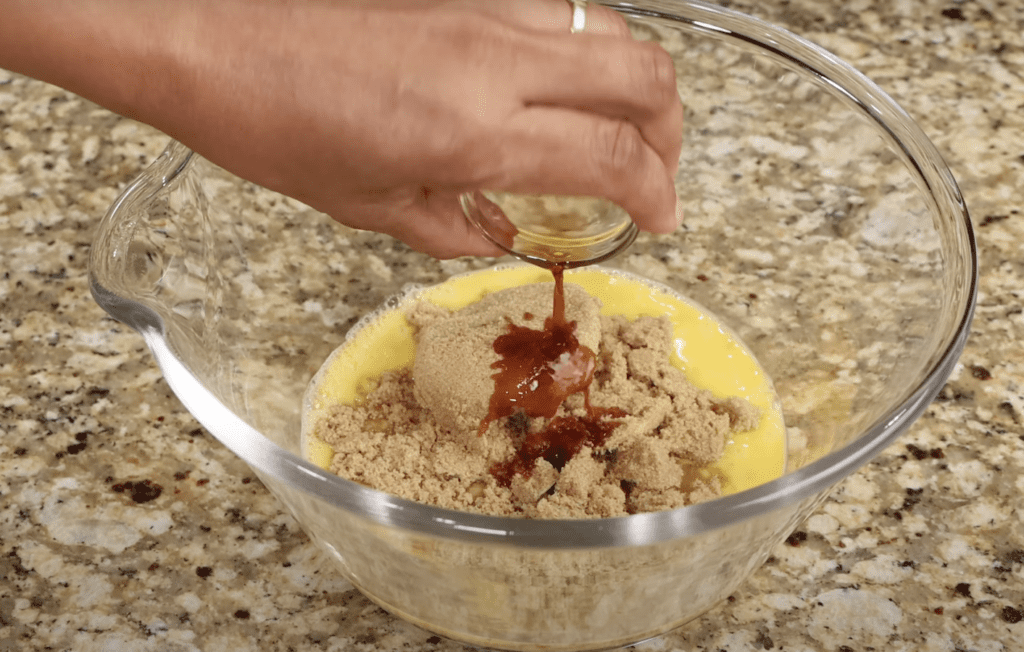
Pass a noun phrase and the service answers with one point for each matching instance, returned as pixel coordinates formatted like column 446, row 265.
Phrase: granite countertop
column 124, row 526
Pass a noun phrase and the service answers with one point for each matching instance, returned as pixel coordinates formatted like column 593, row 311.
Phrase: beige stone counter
column 124, row 526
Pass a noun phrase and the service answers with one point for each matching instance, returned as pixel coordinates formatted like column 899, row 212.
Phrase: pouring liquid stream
column 536, row 371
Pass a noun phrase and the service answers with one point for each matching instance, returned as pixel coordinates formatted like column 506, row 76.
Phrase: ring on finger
column 579, row 16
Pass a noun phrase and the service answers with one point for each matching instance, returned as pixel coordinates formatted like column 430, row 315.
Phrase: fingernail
column 679, row 213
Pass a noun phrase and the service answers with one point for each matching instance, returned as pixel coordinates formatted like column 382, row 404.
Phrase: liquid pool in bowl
column 712, row 357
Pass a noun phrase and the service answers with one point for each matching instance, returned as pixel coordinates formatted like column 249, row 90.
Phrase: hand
column 380, row 113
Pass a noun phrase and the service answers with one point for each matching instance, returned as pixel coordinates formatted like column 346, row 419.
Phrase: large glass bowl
column 823, row 227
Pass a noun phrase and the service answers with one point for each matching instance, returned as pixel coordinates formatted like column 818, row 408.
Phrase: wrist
column 132, row 57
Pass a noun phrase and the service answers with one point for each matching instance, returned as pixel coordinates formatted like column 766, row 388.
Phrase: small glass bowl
column 823, row 228
column 550, row 230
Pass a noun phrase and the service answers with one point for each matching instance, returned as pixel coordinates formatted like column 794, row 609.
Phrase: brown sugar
column 455, row 352
column 417, row 433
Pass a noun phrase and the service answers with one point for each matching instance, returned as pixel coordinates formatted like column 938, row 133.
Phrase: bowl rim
column 272, row 461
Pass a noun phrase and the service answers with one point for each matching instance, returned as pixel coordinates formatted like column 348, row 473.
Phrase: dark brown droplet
column 918, row 452
column 142, row 491
column 1014, row 556
column 535, row 372
column 796, row 538
column 1012, row 615
column 765, row 641
column 992, row 219
column 981, row 373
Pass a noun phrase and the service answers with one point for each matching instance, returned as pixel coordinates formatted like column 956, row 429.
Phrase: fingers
column 556, row 16
column 621, row 90
column 618, row 78
column 625, row 79
column 563, row 152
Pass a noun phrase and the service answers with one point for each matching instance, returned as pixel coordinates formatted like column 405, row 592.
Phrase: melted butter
column 708, row 353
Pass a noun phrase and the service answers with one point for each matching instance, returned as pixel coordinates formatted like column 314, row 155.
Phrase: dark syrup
column 536, row 371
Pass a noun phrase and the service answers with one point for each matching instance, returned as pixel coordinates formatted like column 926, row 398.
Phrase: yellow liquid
column 711, row 357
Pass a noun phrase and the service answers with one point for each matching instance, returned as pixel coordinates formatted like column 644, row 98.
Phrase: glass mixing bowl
column 823, row 228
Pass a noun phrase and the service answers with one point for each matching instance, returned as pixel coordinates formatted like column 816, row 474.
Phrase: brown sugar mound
column 455, row 351
column 416, row 434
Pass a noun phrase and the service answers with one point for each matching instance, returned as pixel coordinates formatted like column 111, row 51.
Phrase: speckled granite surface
column 123, row 526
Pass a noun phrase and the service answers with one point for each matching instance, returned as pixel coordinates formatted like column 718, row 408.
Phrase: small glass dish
column 823, row 228
column 549, row 230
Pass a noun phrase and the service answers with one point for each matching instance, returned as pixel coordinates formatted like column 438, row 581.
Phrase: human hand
column 381, row 113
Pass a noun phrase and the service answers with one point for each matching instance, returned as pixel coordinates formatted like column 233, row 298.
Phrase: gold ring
column 579, row 16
